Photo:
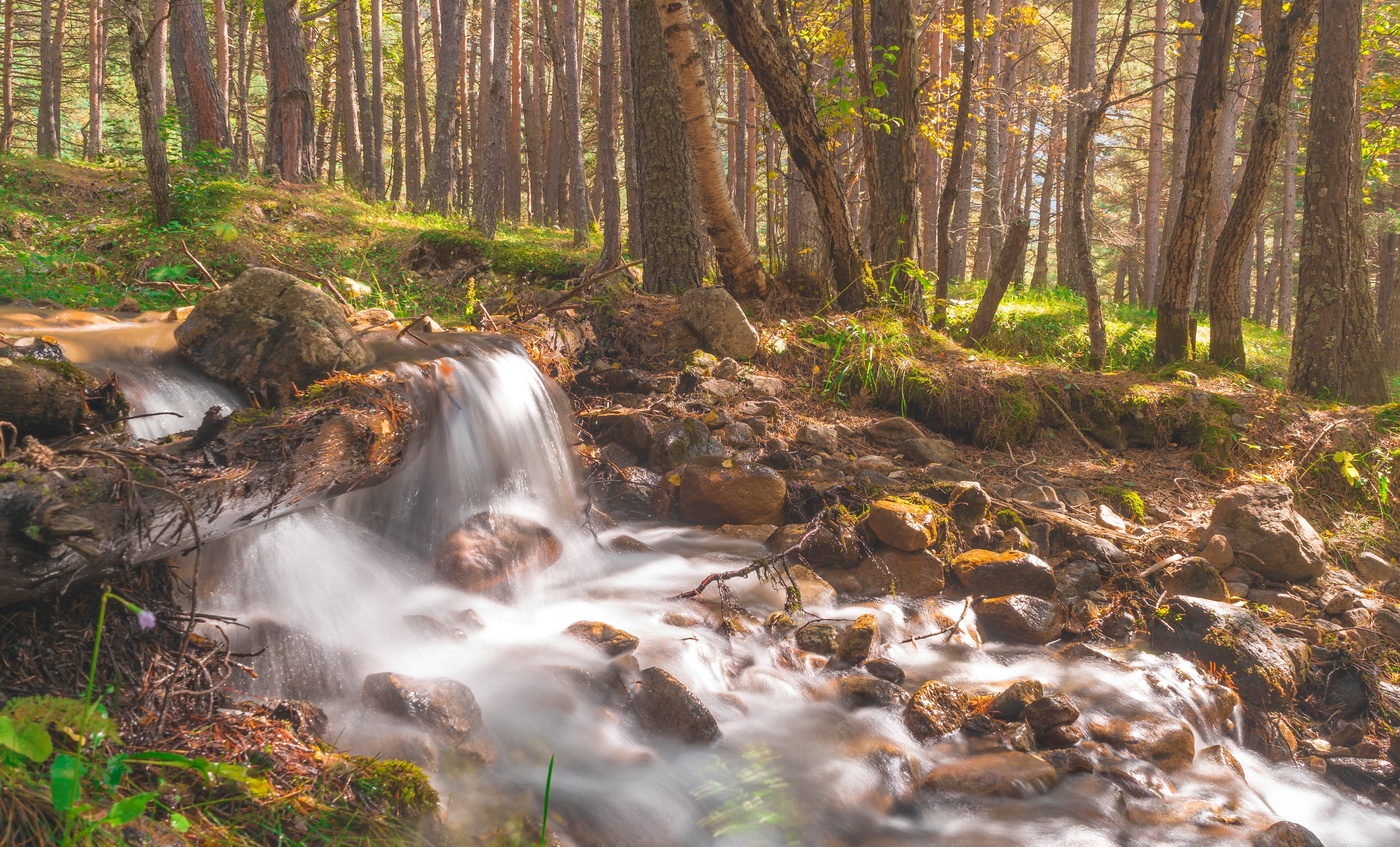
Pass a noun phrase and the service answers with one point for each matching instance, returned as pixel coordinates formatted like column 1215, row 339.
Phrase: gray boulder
column 1259, row 521
column 720, row 322
column 1260, row 663
column 270, row 334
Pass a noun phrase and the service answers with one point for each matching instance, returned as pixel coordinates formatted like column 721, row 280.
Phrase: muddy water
column 326, row 592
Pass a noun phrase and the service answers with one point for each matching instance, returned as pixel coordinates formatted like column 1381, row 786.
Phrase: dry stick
column 152, row 283
column 1074, row 426
column 200, row 265
column 585, row 282
column 1067, row 522
column 948, row 630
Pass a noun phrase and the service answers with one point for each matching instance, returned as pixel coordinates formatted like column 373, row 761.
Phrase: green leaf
column 64, row 786
column 117, row 770
column 179, row 822
column 125, row 811
column 31, row 741
column 224, row 231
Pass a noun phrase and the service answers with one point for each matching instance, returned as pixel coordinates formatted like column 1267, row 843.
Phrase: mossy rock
column 48, row 399
column 400, row 788
column 1125, row 501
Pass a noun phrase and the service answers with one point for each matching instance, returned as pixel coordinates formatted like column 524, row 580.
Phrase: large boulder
column 887, row 571
column 1019, row 619
column 1165, row 742
column 488, row 548
column 720, row 322
column 46, row 398
column 904, row 525
column 445, row 708
column 1260, row 663
column 829, row 544
column 720, row 491
column 987, row 573
column 1260, row 522
column 269, row 333
column 665, row 708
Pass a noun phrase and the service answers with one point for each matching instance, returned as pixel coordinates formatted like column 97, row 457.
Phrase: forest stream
column 746, row 740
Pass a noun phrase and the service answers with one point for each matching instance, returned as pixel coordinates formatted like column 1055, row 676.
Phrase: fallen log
column 92, row 507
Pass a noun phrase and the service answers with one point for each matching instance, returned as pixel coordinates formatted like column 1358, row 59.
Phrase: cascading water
column 330, row 595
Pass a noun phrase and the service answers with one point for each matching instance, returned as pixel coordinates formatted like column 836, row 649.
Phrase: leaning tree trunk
column 102, row 508
column 152, row 142
column 894, row 211
column 1336, row 343
column 1282, row 36
column 1003, row 271
column 765, row 48
column 1179, row 260
column 291, row 116
column 740, row 269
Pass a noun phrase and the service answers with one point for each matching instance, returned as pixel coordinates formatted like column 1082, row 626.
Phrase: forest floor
column 1022, row 409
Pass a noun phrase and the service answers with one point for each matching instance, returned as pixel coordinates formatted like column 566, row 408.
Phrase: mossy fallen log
column 95, row 506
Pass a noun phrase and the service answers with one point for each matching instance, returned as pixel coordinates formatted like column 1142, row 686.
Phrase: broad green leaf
column 64, row 785
column 117, row 770
column 125, row 811
column 179, row 822
column 31, row 741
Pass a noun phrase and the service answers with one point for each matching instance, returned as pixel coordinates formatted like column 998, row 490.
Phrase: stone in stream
column 444, row 707
column 270, row 334
column 889, row 572
column 1167, row 743
column 1077, row 578
column 891, row 672
column 935, row 710
column 1019, row 619
column 858, row 691
column 985, row 573
column 628, row 429
column 814, row 590
column 681, row 442
column 720, row 322
column 488, row 548
column 1287, row 834
column 1003, row 774
column 1260, row 522
column 827, row 545
column 1046, row 713
column 858, row 643
column 611, row 640
column 817, row 638
column 666, row 709
column 1012, row 701
column 718, row 491
column 1260, row 663
column 903, row 524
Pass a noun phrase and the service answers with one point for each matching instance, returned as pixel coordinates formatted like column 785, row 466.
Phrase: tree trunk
column 1282, row 36
column 572, row 115
column 441, row 180
column 894, row 211
column 396, row 153
column 157, row 53
column 347, row 94
column 152, row 143
column 196, row 86
column 956, row 163
column 631, row 176
column 497, row 123
column 7, row 80
column 993, row 156
column 1208, row 99
column 663, row 231
column 1152, row 217
column 1008, row 260
column 1040, row 277
column 765, row 48
column 376, row 96
column 299, row 457
column 97, row 66
column 410, row 38
column 611, row 254
column 740, row 269
column 221, row 57
column 1388, row 280
column 1287, row 225
column 511, row 208
column 47, row 134
column 291, row 117
column 1336, row 343
column 244, row 52
column 1187, row 63
column 1084, row 34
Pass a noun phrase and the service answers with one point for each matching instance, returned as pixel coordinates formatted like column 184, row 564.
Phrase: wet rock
column 990, row 574
column 1139, row 779
column 1260, row 521
column 1373, row 568
column 1045, row 713
column 887, row 571
column 859, row 642
column 1259, row 662
column 1219, row 553
column 1165, row 742
column 630, row 430
column 487, row 549
column 682, row 442
column 127, row 306
column 935, row 710
column 43, row 399
column 1287, row 834
column 894, row 430
column 1269, row 735
column 929, row 451
column 827, row 546
column 1101, row 550
column 270, row 334
column 968, row 504
column 720, row 322
column 1077, row 578
column 1058, row 737
column 903, row 525
column 431, row 629
column 1194, row 577
column 633, row 492
column 884, row 669
column 444, row 707
column 1004, row 774
column 817, row 638
column 1019, row 618
column 819, row 437
column 609, row 639
column 815, row 591
column 1360, row 774
column 1221, row 757
column 1068, row 762
column 665, row 708
column 868, row 692
column 1012, row 701
column 720, row 491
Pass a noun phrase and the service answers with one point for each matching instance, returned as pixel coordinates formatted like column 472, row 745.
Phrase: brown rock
column 1219, row 553
column 935, row 710
column 720, row 491
column 858, row 691
column 1020, row 619
column 817, row 638
column 1012, row 701
column 888, row 571
column 968, row 504
column 990, row 574
column 860, row 640
column 903, row 525
column 488, row 549
column 894, row 430
column 1004, row 774
column 1287, row 834
column 1259, row 662
column 629, row 429
column 1194, row 577
column 1260, row 520
column 444, row 707
column 665, row 708
column 1165, row 742
column 609, row 639
column 1049, row 712
column 831, row 544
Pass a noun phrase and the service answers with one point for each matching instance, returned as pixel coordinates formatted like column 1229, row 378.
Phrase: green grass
column 1052, row 326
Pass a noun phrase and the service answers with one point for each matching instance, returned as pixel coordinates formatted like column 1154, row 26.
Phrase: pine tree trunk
column 1388, row 280
column 243, row 75
column 1008, row 259
column 7, row 80
column 410, row 37
column 663, row 231
column 956, row 163
column 1287, row 225
column 631, row 174
column 1283, row 34
column 513, row 186
column 376, row 96
column 441, row 179
column 481, row 105
column 1183, row 92
column 1152, row 244
column 47, row 134
column 291, row 119
column 611, row 254
column 1040, row 277
column 396, row 162
column 488, row 209
column 1084, row 33
column 573, row 121
column 993, row 156
column 156, row 54
column 894, row 211
column 152, row 143
column 196, row 86
column 1179, row 260
column 221, row 51
column 1336, row 343
column 97, row 62
column 347, row 96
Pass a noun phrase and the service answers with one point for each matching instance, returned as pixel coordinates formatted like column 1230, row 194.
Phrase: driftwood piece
column 92, row 507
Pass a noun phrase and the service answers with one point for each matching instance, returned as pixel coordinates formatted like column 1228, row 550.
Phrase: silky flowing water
column 323, row 595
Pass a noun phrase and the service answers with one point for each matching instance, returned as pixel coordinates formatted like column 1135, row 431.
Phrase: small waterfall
column 344, row 590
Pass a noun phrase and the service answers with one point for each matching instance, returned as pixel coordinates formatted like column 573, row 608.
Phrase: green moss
column 69, row 371
column 1008, row 519
column 401, row 787
column 1126, row 501
column 1214, row 447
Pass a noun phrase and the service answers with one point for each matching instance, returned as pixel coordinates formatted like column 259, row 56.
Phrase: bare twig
column 200, row 265
column 1074, row 426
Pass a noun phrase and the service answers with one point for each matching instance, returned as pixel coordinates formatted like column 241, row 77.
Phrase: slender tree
column 291, row 117
column 611, row 254
column 442, row 177
column 7, row 80
column 572, row 117
column 894, row 212
column 97, row 66
column 488, row 209
column 956, row 163
column 152, row 143
column 1157, row 113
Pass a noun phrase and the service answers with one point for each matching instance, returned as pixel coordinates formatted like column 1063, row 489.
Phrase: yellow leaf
column 674, row 479
column 728, row 463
